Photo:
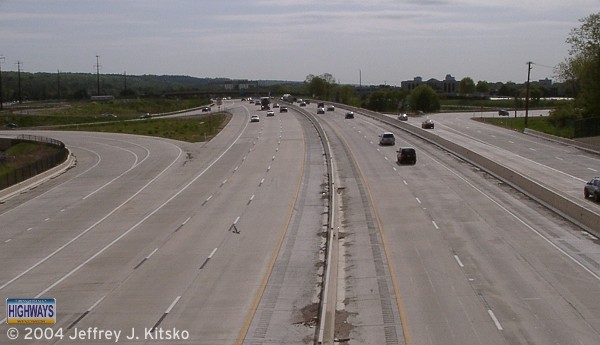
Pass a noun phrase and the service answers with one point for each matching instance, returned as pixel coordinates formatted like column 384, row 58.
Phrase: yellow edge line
column 263, row 284
column 401, row 311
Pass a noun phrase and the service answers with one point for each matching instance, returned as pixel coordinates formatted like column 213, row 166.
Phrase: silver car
column 387, row 138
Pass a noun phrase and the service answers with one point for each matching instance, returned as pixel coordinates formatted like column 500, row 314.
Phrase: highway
column 469, row 260
column 224, row 241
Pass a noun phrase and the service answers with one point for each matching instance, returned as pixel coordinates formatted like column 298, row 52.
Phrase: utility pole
column 98, row 74
column 527, row 92
column 58, row 82
column 19, row 81
column 359, row 78
column 1, row 100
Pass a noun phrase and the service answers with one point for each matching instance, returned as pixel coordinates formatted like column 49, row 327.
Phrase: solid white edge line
column 154, row 251
column 212, row 253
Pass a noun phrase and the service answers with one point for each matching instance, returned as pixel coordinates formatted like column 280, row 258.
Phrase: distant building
column 448, row 86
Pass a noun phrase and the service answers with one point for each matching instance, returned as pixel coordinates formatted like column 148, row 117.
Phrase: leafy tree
column 482, row 86
column 582, row 67
column 466, row 86
column 320, row 86
column 424, row 98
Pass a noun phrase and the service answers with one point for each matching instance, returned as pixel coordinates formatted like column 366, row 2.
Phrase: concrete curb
column 583, row 146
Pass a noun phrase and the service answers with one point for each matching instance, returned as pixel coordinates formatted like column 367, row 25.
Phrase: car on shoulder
column 349, row 115
column 427, row 124
column 503, row 112
column 270, row 113
column 330, row 107
column 406, row 155
column 254, row 118
column 145, row 116
column 387, row 138
column 283, row 109
column 320, row 110
column 592, row 189
column 403, row 117
column 205, row 109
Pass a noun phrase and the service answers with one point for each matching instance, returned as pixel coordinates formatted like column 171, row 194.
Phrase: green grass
column 540, row 124
column 89, row 112
column 190, row 129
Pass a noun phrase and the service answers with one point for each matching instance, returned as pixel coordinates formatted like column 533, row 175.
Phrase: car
column 330, row 108
column 254, row 118
column 321, row 105
column 592, row 189
column 109, row 115
column 320, row 110
column 387, row 138
column 427, row 124
column 503, row 112
column 303, row 104
column 250, row 100
column 257, row 102
column 145, row 116
column 283, row 109
column 270, row 113
column 407, row 155
column 205, row 109
column 403, row 117
column 275, row 105
column 11, row 125
column 349, row 115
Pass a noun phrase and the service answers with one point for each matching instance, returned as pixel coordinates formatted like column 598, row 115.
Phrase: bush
column 565, row 115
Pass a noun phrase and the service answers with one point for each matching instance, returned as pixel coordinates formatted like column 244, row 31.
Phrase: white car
column 254, row 118
column 270, row 113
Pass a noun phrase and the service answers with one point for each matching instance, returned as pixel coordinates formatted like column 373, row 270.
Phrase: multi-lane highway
column 225, row 240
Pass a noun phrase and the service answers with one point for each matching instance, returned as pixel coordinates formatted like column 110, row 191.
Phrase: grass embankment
column 90, row 112
column 184, row 129
column 122, row 116
column 540, row 124
column 22, row 154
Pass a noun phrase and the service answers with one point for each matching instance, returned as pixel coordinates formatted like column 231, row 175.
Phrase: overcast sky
column 388, row 41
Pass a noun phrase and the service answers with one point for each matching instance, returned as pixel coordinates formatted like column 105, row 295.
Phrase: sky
column 356, row 41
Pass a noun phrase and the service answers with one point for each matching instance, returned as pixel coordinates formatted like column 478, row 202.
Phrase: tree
column 424, row 98
column 582, row 67
column 466, row 86
column 320, row 86
column 482, row 86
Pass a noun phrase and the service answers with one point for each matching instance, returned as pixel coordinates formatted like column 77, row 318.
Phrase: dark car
column 592, row 189
column 503, row 112
column 403, row 117
column 407, row 155
column 283, row 109
column 427, row 124
column 205, row 109
column 320, row 110
column 349, row 115
column 11, row 125
column 145, row 116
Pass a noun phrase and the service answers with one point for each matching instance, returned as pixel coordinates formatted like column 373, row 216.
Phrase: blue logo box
column 31, row 311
